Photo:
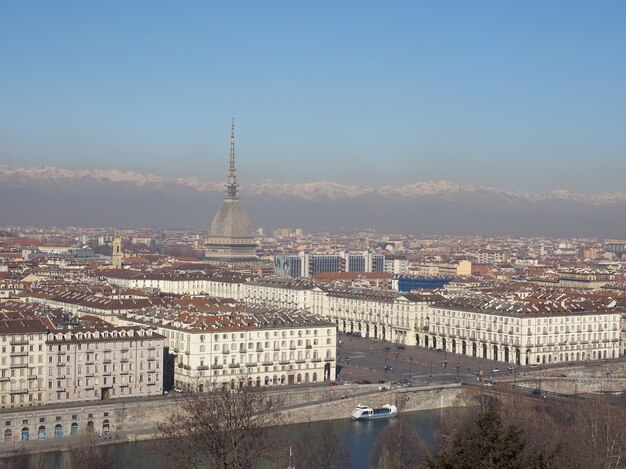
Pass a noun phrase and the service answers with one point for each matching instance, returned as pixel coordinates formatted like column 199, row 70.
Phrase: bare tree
column 320, row 450
column 597, row 437
column 86, row 453
column 397, row 447
column 225, row 428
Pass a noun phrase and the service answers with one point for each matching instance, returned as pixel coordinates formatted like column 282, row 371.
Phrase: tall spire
column 231, row 187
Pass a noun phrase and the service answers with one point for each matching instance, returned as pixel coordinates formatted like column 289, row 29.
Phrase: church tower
column 116, row 257
column 230, row 236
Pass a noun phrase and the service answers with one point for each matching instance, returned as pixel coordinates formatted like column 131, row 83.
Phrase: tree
column 225, row 428
column 85, row 453
column 397, row 447
column 320, row 450
column 487, row 443
column 597, row 436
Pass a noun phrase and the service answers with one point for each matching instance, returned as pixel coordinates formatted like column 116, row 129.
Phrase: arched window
column 58, row 430
column 8, row 435
column 105, row 425
column 25, row 434
column 41, row 434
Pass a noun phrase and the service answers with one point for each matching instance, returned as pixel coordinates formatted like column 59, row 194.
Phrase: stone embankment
column 136, row 420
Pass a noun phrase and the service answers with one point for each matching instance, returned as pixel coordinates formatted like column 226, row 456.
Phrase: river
column 358, row 436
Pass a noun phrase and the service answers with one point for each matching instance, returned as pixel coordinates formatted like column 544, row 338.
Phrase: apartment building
column 280, row 292
column 525, row 332
column 384, row 315
column 22, row 362
column 103, row 362
column 259, row 346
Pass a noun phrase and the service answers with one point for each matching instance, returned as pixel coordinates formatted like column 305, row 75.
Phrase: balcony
column 284, row 362
column 89, row 375
column 106, row 373
column 18, row 391
column 316, row 360
column 18, row 365
column 125, row 350
column 151, row 359
column 19, row 354
column 151, row 371
column 4, row 378
column 233, row 365
column 308, row 347
column 19, row 342
column 106, row 361
column 292, row 347
column 270, row 363
column 123, row 360
column 226, row 352
column 217, row 367
column 329, row 359
column 300, row 361
column 203, row 367
column 259, row 349
column 251, row 364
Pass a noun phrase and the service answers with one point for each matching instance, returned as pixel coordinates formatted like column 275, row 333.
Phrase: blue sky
column 514, row 95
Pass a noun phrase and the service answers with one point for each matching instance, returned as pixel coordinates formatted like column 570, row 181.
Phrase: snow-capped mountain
column 49, row 195
column 48, row 176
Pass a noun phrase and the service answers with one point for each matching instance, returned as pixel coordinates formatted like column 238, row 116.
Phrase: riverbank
column 135, row 421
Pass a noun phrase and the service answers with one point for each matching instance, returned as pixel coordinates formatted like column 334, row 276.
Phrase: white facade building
column 522, row 334
column 257, row 347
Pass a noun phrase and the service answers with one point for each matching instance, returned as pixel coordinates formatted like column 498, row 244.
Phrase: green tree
column 488, row 444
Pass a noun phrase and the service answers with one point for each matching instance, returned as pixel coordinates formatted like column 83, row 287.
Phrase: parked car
column 495, row 370
column 400, row 347
column 356, row 334
column 387, row 349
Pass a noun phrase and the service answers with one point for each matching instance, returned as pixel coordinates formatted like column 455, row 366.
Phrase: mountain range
column 45, row 195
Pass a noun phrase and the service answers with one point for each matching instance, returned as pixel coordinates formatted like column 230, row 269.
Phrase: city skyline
column 519, row 98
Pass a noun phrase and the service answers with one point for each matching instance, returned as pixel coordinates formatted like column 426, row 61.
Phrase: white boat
column 363, row 412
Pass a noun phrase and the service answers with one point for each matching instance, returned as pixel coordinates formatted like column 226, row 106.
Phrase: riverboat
column 363, row 412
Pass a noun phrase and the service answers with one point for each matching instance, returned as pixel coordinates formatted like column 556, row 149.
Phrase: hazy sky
column 515, row 95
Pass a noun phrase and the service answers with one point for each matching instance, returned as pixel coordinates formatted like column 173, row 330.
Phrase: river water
column 359, row 437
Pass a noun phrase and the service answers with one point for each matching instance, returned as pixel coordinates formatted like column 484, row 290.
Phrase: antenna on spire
column 231, row 187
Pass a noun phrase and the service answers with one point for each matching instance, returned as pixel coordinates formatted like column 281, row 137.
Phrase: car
column 488, row 383
column 178, row 390
column 438, row 350
column 356, row 334
column 348, row 333
column 333, row 383
column 366, row 382
column 400, row 347
column 387, row 349
column 495, row 370
column 388, row 367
